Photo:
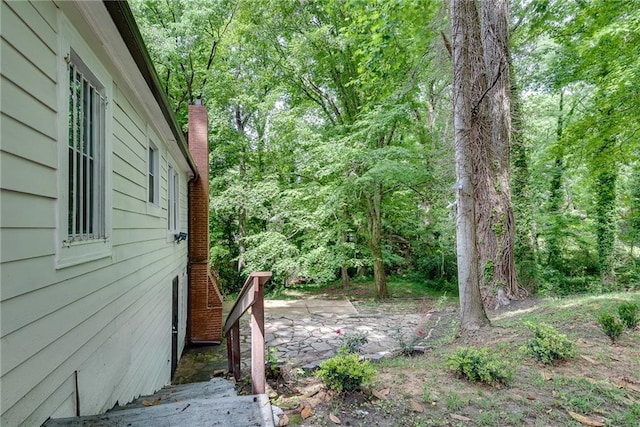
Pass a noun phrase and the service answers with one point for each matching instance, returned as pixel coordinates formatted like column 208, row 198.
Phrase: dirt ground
column 600, row 386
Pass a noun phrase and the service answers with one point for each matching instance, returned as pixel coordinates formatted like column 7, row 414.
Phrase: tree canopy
column 332, row 138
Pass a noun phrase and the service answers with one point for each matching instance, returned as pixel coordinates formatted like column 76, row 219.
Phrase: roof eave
column 125, row 22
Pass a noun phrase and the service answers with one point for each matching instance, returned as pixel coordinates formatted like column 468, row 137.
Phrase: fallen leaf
column 588, row 359
column 334, row 419
column 529, row 397
column 154, row 403
column 546, row 376
column 382, row 394
column 587, row 421
column 312, row 391
column 624, row 383
column 284, row 421
column 417, row 407
column 459, row 417
column 306, row 412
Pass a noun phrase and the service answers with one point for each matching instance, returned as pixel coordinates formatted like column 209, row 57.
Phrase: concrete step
column 236, row 411
column 214, row 389
column 211, row 403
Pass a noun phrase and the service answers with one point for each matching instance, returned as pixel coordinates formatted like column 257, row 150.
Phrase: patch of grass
column 454, row 401
column 488, row 418
column 629, row 417
column 559, row 312
column 363, row 288
column 585, row 396
column 426, row 394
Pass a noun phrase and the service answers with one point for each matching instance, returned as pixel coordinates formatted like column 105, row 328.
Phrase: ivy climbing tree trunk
column 634, row 213
column 240, row 122
column 606, row 221
column 470, row 126
column 556, row 199
column 494, row 211
column 525, row 247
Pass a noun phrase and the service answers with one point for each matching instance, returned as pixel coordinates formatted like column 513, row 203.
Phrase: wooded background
column 332, row 138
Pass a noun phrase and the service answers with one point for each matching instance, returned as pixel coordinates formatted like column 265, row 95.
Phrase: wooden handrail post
column 235, row 349
column 229, row 339
column 251, row 297
column 257, row 339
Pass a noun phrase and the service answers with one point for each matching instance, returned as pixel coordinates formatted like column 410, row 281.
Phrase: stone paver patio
column 309, row 330
column 303, row 332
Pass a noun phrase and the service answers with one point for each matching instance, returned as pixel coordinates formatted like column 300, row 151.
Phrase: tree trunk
column 344, row 269
column 525, row 249
column 496, row 224
column 606, row 222
column 556, row 199
column 344, row 274
column 242, row 214
column 374, row 222
column 469, row 123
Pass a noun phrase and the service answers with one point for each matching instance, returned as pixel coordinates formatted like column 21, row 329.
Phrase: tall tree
column 183, row 39
column 358, row 63
column 471, row 128
column 494, row 211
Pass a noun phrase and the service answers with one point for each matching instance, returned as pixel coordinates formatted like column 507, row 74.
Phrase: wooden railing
column 251, row 297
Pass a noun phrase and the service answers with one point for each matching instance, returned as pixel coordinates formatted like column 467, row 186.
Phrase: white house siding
column 104, row 325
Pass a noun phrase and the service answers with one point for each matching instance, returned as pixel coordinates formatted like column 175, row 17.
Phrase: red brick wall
column 205, row 302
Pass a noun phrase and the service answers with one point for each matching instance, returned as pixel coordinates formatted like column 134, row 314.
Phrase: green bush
column 406, row 345
column 352, row 343
column 345, row 372
column 548, row 345
column 629, row 314
column 611, row 325
column 479, row 365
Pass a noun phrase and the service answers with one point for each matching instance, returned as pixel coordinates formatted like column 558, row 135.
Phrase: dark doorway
column 174, row 328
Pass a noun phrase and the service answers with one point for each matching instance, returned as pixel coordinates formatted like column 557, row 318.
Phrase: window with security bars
column 86, row 194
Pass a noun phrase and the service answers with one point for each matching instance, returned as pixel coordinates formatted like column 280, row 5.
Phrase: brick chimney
column 205, row 301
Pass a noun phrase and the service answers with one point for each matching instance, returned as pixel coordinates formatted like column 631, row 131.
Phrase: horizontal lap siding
column 115, row 310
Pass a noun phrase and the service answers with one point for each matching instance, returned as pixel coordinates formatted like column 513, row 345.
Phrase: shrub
column 273, row 364
column 351, row 343
column 406, row 346
column 629, row 314
column 611, row 325
column 479, row 365
column 345, row 372
column 548, row 345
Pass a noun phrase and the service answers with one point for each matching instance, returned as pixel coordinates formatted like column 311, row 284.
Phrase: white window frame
column 77, row 243
column 153, row 166
column 173, row 201
column 153, row 174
